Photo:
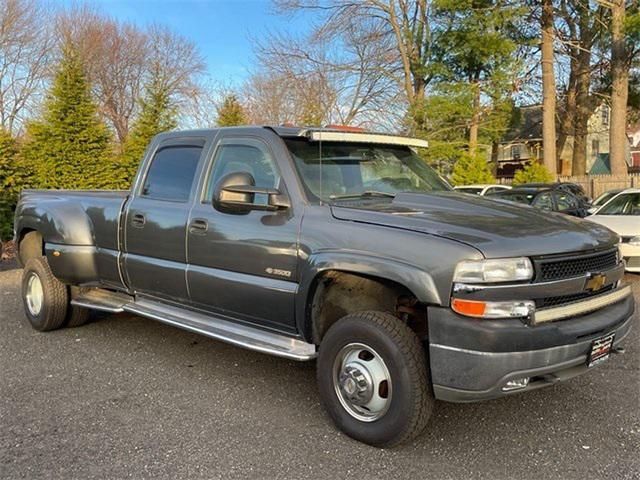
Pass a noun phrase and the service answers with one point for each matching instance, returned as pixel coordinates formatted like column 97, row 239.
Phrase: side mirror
column 235, row 193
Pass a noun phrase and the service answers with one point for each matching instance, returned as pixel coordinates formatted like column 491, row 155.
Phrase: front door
column 156, row 221
column 244, row 265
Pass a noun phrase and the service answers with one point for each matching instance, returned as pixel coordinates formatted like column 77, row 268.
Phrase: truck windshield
column 355, row 170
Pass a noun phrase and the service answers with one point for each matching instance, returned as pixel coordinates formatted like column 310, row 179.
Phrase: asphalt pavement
column 126, row 397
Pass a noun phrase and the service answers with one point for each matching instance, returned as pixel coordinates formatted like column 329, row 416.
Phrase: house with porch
column 523, row 143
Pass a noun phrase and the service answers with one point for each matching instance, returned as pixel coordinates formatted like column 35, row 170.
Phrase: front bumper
column 631, row 254
column 472, row 360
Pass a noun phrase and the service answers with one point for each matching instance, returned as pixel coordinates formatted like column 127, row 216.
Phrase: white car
column 481, row 189
column 622, row 215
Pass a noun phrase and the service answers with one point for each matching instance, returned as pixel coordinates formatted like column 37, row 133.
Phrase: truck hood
column 496, row 228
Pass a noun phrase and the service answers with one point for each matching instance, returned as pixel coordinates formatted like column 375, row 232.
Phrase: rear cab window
column 171, row 173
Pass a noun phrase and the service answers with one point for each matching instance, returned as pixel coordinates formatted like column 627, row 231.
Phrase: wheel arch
column 335, row 285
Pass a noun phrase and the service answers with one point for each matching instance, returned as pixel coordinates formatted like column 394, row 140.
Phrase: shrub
column 533, row 172
column 470, row 169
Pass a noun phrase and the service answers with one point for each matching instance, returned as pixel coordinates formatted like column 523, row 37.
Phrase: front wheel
column 373, row 379
column 45, row 298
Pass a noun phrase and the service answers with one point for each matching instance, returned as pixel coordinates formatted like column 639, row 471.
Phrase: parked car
column 572, row 188
column 604, row 198
column 544, row 198
column 622, row 215
column 345, row 247
column 482, row 189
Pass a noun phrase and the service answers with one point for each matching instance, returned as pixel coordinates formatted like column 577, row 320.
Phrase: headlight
column 493, row 270
column 635, row 241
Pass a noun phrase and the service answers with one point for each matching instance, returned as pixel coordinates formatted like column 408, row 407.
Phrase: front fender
column 419, row 282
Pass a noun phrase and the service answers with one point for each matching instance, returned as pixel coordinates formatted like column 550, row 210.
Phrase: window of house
column 605, row 115
column 595, row 147
column 515, row 152
column 171, row 173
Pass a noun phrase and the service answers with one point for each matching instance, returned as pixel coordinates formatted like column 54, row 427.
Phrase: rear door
column 156, row 220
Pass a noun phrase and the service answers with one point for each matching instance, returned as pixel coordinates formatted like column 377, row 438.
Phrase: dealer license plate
column 600, row 350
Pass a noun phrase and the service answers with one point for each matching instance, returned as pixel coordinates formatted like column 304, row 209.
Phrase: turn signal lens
column 472, row 308
column 468, row 307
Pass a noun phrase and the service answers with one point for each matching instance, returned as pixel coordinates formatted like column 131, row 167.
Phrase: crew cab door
column 243, row 265
column 156, row 220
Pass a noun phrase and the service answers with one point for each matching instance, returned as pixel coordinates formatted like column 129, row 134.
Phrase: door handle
column 138, row 220
column 198, row 226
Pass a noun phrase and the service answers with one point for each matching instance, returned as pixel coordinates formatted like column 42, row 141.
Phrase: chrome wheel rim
column 362, row 382
column 35, row 294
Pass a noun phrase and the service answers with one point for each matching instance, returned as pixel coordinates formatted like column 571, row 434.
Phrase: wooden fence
column 595, row 185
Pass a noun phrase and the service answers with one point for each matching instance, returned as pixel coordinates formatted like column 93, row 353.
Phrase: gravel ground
column 125, row 397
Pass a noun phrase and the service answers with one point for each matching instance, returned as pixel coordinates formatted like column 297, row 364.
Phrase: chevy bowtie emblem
column 596, row 282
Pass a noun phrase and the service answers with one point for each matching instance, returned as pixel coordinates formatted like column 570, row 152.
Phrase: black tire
column 411, row 402
column 76, row 316
column 55, row 299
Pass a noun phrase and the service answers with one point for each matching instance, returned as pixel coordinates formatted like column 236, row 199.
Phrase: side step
column 210, row 326
column 103, row 300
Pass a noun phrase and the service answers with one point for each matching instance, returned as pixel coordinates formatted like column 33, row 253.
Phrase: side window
column 543, row 202
column 171, row 173
column 243, row 155
column 565, row 201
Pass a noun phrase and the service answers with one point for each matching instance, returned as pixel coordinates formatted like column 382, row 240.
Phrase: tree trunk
column 566, row 115
column 619, row 91
column 548, row 89
column 583, row 83
column 474, row 126
column 495, row 147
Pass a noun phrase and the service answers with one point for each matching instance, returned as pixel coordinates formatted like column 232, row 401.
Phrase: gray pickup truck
column 340, row 246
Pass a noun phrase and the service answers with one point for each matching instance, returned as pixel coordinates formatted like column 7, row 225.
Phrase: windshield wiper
column 366, row 193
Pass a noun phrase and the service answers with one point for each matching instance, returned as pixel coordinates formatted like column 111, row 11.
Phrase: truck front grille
column 559, row 268
column 564, row 299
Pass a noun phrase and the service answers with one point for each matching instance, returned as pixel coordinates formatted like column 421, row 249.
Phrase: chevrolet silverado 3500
column 340, row 246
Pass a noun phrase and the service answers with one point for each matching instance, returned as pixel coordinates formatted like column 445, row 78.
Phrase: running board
column 210, row 326
column 103, row 300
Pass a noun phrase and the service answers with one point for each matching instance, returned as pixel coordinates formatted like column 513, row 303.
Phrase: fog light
column 515, row 384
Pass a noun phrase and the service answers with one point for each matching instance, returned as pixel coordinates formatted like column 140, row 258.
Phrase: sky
column 221, row 29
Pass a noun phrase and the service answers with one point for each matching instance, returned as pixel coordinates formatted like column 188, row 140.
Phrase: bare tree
column 25, row 48
column 548, row 87
column 121, row 59
column 342, row 75
column 401, row 24
column 114, row 56
column 174, row 62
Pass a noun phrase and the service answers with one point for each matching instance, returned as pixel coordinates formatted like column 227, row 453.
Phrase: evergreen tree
column 476, row 46
column 69, row 146
column 470, row 169
column 231, row 113
column 157, row 115
column 533, row 172
column 8, row 183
